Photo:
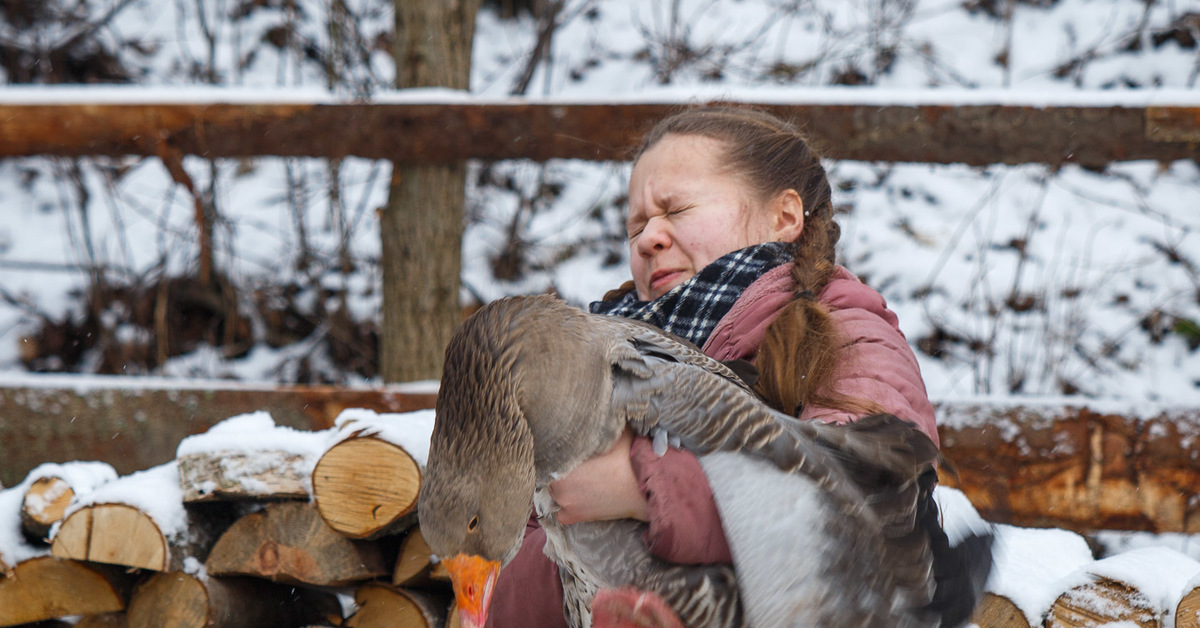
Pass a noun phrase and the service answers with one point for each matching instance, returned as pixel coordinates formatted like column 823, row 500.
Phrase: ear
column 787, row 216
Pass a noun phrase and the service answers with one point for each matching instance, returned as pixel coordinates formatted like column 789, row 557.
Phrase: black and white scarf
column 692, row 309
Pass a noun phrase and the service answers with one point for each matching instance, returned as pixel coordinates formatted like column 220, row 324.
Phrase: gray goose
column 822, row 520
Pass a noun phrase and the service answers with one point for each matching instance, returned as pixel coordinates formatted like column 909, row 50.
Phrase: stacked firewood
column 250, row 525
column 258, row 525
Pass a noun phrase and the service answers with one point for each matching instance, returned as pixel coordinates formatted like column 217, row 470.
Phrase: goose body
column 821, row 519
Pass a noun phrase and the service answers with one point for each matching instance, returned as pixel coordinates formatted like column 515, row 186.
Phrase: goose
column 822, row 520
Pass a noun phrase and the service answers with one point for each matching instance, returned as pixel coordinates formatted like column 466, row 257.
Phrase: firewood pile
column 259, row 525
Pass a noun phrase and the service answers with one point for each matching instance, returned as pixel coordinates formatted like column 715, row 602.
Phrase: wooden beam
column 1076, row 467
column 447, row 132
column 135, row 424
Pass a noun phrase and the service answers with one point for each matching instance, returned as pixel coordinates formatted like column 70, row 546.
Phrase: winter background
column 1011, row 282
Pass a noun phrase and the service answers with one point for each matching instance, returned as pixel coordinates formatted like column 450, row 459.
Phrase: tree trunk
column 422, row 223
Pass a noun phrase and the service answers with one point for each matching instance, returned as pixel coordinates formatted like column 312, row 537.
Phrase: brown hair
column 798, row 356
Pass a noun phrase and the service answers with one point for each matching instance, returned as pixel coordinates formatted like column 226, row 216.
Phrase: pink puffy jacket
column 684, row 524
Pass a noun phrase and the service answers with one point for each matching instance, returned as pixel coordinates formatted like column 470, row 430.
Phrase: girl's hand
column 601, row 488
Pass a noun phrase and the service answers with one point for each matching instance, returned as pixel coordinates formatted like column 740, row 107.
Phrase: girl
column 732, row 246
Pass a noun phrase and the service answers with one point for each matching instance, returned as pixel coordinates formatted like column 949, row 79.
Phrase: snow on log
column 1029, row 564
column 382, row 605
column 415, row 565
column 248, row 457
column 182, row 600
column 366, row 484
column 1140, row 586
column 289, row 542
column 17, row 541
column 53, row 487
column 1078, row 468
column 44, row 588
column 138, row 520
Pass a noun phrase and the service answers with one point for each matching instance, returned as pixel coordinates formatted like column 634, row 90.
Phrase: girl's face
column 686, row 210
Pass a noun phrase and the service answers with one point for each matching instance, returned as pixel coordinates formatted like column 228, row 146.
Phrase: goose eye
column 473, row 524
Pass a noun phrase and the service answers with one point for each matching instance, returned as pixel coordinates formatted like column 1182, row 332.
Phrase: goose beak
column 474, row 580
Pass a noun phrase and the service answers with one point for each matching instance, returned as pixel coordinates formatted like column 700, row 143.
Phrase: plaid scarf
column 692, row 309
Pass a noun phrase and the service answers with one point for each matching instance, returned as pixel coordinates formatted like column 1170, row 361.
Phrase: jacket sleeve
column 528, row 592
column 879, row 366
column 685, row 526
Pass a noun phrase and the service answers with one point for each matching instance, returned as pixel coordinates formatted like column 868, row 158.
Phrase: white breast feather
column 773, row 521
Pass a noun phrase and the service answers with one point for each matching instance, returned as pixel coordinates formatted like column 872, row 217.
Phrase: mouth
column 474, row 580
column 661, row 279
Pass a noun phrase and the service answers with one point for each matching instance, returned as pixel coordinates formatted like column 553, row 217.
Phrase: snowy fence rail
column 933, row 126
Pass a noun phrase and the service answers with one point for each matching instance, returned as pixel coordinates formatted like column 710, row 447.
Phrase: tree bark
column 423, row 220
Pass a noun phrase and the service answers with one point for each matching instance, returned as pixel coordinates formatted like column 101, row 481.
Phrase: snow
column 83, row 478
column 1160, row 576
column 155, row 492
column 410, row 431
column 255, row 432
column 670, row 95
column 1033, row 566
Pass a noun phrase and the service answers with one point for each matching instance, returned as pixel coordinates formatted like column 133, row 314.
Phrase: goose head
column 524, row 398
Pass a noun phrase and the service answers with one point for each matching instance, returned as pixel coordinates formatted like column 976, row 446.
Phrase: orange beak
column 474, row 580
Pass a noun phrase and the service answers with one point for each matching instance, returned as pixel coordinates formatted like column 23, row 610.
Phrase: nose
column 655, row 236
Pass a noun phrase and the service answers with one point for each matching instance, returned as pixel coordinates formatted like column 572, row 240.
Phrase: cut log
column 180, row 600
column 290, row 542
column 365, row 487
column 997, row 611
column 243, row 476
column 414, row 566
column 113, row 533
column 44, row 504
column 103, row 620
column 45, row 588
column 1187, row 614
column 246, row 457
column 381, row 605
column 1104, row 601
column 119, row 534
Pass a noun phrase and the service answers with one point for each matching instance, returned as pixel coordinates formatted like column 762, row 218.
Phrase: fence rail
column 444, row 132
